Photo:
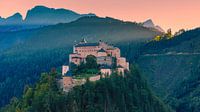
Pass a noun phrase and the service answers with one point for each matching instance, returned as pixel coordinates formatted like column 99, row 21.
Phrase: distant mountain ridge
column 41, row 15
column 12, row 20
column 149, row 24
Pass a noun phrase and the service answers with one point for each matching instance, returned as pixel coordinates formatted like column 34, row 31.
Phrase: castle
column 106, row 56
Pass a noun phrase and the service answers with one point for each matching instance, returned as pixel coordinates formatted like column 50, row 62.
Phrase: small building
column 121, row 61
column 106, row 71
column 65, row 69
column 120, row 70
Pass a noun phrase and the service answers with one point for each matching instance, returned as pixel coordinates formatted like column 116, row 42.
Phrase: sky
column 174, row 14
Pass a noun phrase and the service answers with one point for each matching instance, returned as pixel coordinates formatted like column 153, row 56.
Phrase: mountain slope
column 169, row 63
column 41, row 49
column 93, row 28
column 185, row 96
column 114, row 94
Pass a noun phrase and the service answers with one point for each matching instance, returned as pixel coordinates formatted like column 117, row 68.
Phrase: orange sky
column 173, row 14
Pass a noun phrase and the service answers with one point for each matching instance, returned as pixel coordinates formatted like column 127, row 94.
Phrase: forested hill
column 25, row 54
column 188, row 41
column 172, row 69
column 91, row 28
column 113, row 94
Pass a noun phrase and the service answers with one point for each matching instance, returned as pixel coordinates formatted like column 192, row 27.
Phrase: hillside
column 113, row 94
column 89, row 27
column 38, row 50
column 169, row 64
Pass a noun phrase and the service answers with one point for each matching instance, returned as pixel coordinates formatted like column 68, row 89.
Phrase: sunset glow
column 175, row 14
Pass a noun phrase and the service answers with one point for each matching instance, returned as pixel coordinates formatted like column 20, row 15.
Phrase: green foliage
column 115, row 94
column 90, row 67
column 45, row 96
column 169, row 66
column 185, row 42
column 186, row 95
column 91, row 62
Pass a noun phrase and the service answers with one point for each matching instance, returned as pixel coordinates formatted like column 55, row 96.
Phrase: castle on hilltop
column 107, row 57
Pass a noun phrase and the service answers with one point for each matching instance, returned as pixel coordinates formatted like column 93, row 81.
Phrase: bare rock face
column 150, row 24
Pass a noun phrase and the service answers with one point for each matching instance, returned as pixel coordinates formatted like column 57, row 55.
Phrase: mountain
column 38, row 50
column 149, row 24
column 1, row 19
column 15, row 19
column 112, row 94
column 159, row 28
column 51, row 16
column 171, row 66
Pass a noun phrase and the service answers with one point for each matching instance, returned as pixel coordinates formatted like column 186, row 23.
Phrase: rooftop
column 86, row 44
column 101, row 50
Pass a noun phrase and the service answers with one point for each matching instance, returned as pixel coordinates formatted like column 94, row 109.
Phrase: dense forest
column 112, row 94
column 171, row 67
column 186, row 97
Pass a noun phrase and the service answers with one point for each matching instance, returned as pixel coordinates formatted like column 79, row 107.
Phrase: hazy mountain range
column 37, row 17
column 41, row 15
